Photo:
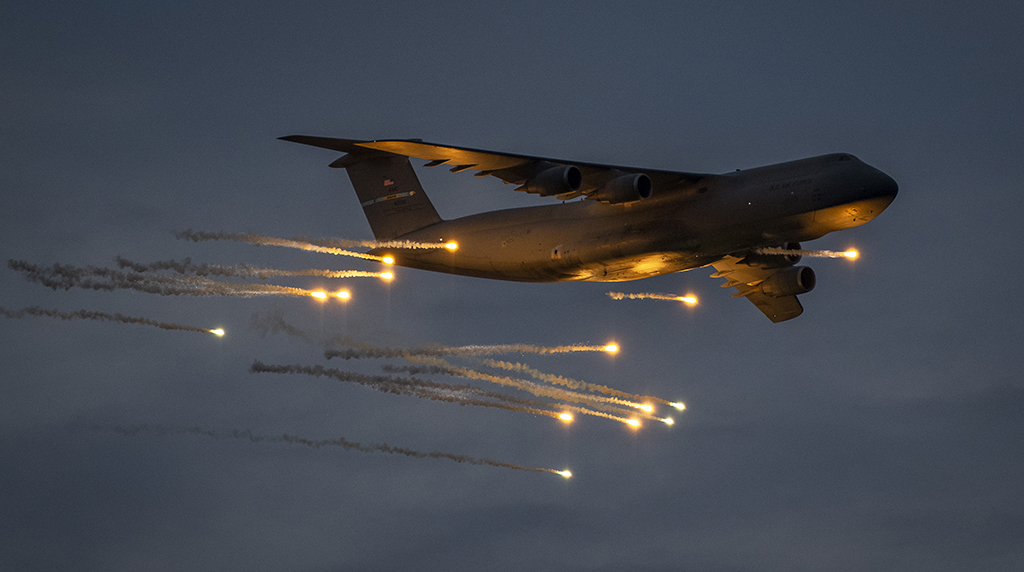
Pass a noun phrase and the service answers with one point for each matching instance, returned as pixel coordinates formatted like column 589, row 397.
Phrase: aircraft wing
column 522, row 170
column 747, row 281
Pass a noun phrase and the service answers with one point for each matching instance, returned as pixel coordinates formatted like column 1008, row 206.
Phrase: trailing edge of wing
column 747, row 281
column 518, row 169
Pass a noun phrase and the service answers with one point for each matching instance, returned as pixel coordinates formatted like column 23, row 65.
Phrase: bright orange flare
column 565, row 417
column 319, row 295
column 217, row 332
column 633, row 422
column 388, row 260
column 387, row 275
column 678, row 405
column 668, row 421
column 851, row 254
column 611, row 348
column 452, row 245
column 344, row 295
column 566, row 474
column 690, row 300
column 646, row 407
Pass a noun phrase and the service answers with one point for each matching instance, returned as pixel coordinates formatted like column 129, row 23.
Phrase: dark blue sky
column 880, row 430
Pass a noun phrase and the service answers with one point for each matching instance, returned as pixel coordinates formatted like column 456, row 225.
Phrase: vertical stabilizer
column 388, row 188
column 391, row 196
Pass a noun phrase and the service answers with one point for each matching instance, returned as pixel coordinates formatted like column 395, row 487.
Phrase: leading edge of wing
column 461, row 158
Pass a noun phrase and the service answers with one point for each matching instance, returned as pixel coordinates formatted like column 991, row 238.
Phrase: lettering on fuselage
column 790, row 184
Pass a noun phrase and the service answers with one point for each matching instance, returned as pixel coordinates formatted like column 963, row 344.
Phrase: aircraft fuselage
column 676, row 229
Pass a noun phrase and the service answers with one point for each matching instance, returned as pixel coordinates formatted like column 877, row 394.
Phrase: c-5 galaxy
column 636, row 223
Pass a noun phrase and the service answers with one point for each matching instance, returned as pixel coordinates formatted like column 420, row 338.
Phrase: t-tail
column 387, row 187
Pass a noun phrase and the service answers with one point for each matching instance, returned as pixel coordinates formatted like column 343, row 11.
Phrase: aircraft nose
column 887, row 185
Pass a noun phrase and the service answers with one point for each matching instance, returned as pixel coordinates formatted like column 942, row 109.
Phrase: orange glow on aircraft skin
column 217, row 332
column 388, row 259
column 344, row 295
column 452, row 245
column 611, row 348
column 851, row 254
column 387, row 275
column 319, row 295
column 567, row 417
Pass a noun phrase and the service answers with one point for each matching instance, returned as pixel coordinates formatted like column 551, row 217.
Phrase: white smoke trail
column 259, row 240
column 239, row 270
column 393, row 244
column 807, row 253
column 627, row 399
column 465, row 351
column 650, row 296
column 441, row 366
column 65, row 277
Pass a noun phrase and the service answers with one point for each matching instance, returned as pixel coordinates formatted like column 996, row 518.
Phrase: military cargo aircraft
column 630, row 223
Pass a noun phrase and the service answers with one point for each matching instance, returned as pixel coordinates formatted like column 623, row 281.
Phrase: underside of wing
column 773, row 290
column 544, row 176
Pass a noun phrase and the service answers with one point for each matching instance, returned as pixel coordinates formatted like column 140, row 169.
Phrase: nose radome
column 888, row 185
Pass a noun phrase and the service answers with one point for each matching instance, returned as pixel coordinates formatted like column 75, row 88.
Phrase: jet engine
column 625, row 189
column 555, row 181
column 789, row 282
column 768, row 261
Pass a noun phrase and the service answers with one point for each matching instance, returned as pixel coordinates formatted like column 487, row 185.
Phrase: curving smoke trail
column 100, row 316
column 247, row 435
column 186, row 267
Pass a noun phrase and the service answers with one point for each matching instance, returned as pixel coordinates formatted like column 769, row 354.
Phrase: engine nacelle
column 625, row 189
column 555, row 181
column 789, row 282
column 769, row 261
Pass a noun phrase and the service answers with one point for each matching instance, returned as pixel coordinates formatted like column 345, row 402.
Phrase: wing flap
column 517, row 169
column 747, row 281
